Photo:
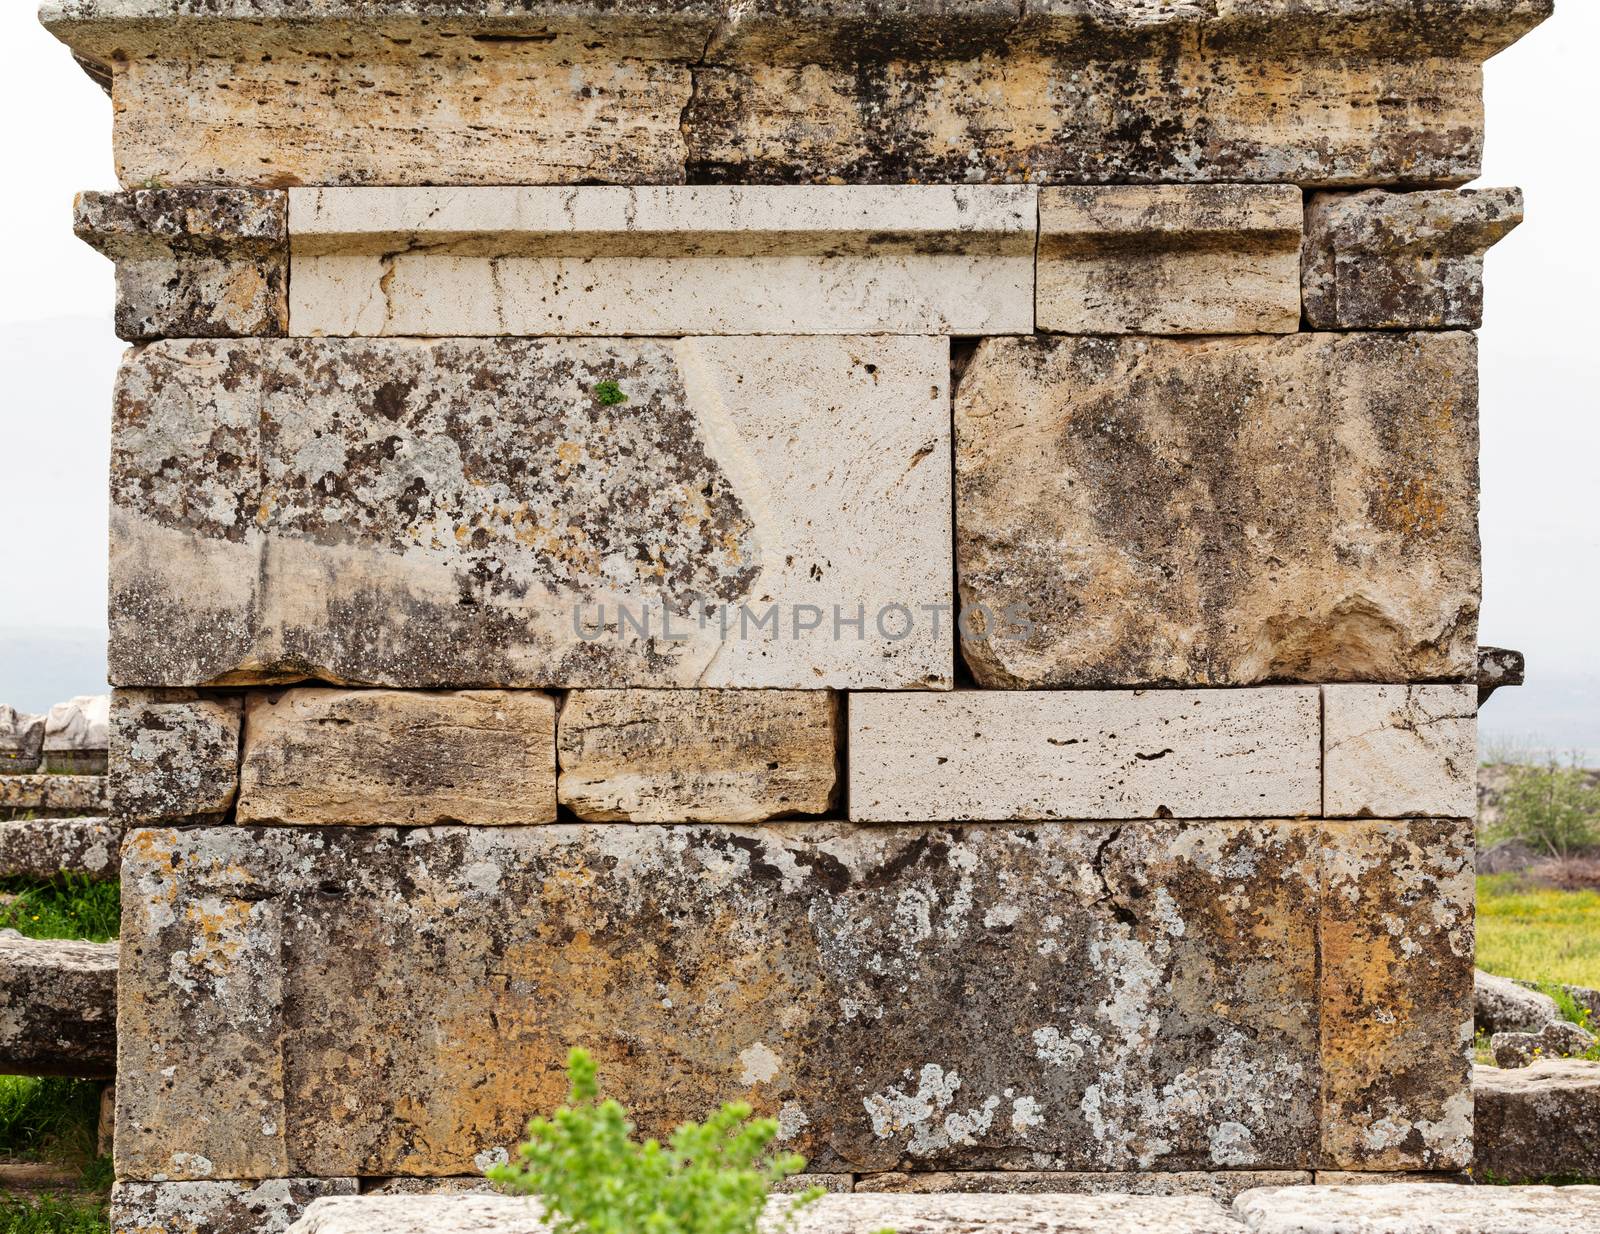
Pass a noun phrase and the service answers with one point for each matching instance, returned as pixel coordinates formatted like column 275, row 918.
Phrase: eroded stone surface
column 1409, row 261
column 58, row 1006
column 1502, row 1005
column 1390, row 751
column 982, row 754
column 1220, row 1185
column 21, row 742
column 174, row 755
column 1419, row 1208
column 1558, row 1039
column 470, row 512
column 1537, row 1122
column 47, row 847
column 689, row 756
column 271, row 1206
column 359, row 757
column 1170, row 259
column 76, row 735
column 1219, row 511
column 52, row 796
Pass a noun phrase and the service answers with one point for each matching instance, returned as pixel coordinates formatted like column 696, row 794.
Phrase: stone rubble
column 1559, row 1039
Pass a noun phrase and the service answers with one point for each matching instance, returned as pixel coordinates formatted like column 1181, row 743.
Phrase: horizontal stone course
column 268, row 1206
column 46, row 848
column 1220, row 1185
column 174, row 755
column 1396, row 750
column 52, row 795
column 58, row 1006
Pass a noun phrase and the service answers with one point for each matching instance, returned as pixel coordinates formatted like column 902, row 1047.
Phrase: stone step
column 59, row 1002
column 46, row 847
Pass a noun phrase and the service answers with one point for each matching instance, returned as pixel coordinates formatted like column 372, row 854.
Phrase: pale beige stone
column 1419, row 1208
column 1170, row 259
column 1397, row 750
column 687, row 756
column 343, row 757
column 1218, row 1184
column 858, row 259
column 1084, row 754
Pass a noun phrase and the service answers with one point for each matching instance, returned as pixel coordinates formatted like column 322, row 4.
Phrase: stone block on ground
column 1377, row 260
column 269, row 1206
column 1396, row 750
column 1170, row 259
column 1222, row 511
column 44, row 848
column 174, row 755
column 755, row 512
column 1505, row 1006
column 1537, row 1122
column 1220, row 1185
column 689, row 756
column 76, row 734
column 1078, row 754
column 58, row 1007
column 1419, row 1208
column 52, row 795
column 1558, row 1039
column 21, row 742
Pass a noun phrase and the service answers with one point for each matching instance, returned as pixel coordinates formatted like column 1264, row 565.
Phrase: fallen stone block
column 231, row 1206
column 753, row 512
column 1393, row 751
column 21, row 742
column 1211, row 512
column 1401, row 261
column 1505, row 1006
column 668, row 260
column 1537, row 1122
column 174, row 755
column 44, row 848
column 1169, row 259
column 1419, row 1208
column 1081, row 754
column 58, row 1007
column 689, row 756
column 52, row 795
column 1220, row 1185
column 1558, row 1039
column 76, row 734
column 192, row 263
column 371, row 757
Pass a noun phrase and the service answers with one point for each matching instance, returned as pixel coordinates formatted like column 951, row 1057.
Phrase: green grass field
column 1538, row 935
column 50, row 1215
column 68, row 907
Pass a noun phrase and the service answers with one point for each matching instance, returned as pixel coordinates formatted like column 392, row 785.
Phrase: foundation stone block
column 271, row 1206
column 1537, row 1122
column 174, row 755
column 1390, row 751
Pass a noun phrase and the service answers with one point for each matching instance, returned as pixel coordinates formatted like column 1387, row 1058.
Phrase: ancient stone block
column 271, row 1206
column 1396, row 1009
column 973, row 998
column 1560, row 1039
column 835, row 259
column 76, row 735
column 529, row 512
column 361, row 757
column 1220, row 1185
column 1170, row 259
column 47, row 847
column 1419, row 1208
column 58, row 1006
column 174, row 755
column 692, row 756
column 1390, row 751
column 1537, row 1122
column 45, row 796
column 21, row 742
column 1497, row 667
column 1501, row 1005
column 1136, row 511
column 990, row 755
column 1408, row 261
column 192, row 263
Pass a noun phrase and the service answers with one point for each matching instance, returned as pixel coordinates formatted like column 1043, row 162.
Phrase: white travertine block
column 668, row 260
column 1397, row 750
column 1084, row 754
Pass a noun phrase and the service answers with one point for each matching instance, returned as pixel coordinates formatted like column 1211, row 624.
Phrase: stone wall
column 914, row 564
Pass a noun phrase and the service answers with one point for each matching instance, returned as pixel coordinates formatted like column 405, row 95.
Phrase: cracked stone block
column 1082, row 754
column 1391, row 751
column 58, row 1006
column 269, row 1206
column 1537, row 1122
column 398, row 757
column 1001, row 997
column 52, row 795
column 752, row 512
column 1419, row 1208
column 1222, row 511
column 691, row 756
column 667, row 260
column 45, row 848
column 1409, row 261
column 174, row 755
column 1170, row 259
column 192, row 262
column 1397, row 995
column 1220, row 1185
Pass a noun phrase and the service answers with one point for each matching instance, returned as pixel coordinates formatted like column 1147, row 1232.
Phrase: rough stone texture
column 21, row 742
column 192, row 263
column 691, row 756
column 1218, row 511
column 58, row 1006
column 468, row 512
column 45, row 847
column 673, row 260
column 232, row 1207
column 361, row 757
column 1396, row 947
column 1419, row 1208
column 1537, row 1122
column 1374, row 1178
column 988, row 755
column 1503, row 1006
column 174, row 755
column 1407, row 261
column 1220, row 1185
column 48, row 796
column 1559, row 1039
column 394, row 1002
column 464, row 1185
column 1498, row 666
column 1390, row 751
column 76, row 734
column 1170, row 259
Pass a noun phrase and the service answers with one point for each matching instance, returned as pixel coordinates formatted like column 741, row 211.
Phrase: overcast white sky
column 1540, row 409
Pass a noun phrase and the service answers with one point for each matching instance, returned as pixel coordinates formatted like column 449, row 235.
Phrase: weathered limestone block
column 1220, row 1185
column 271, row 1206
column 1501, row 1005
column 21, row 742
column 174, row 755
column 756, row 512
column 1407, row 261
column 1376, row 1178
column 47, row 796
column 368, row 757
column 76, row 735
column 1391, row 751
column 1096, row 997
column 192, row 263
column 836, row 259
column 1537, row 1122
column 693, row 756
column 58, row 1006
column 1128, row 754
column 1170, row 259
column 1559, row 1039
column 43, row 848
column 1419, row 1208
column 1396, row 1008
column 1218, row 511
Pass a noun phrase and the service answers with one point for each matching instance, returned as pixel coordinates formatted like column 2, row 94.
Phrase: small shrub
column 609, row 393
column 1553, row 808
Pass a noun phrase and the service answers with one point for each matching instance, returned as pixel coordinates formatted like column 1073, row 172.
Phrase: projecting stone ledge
column 58, row 1007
